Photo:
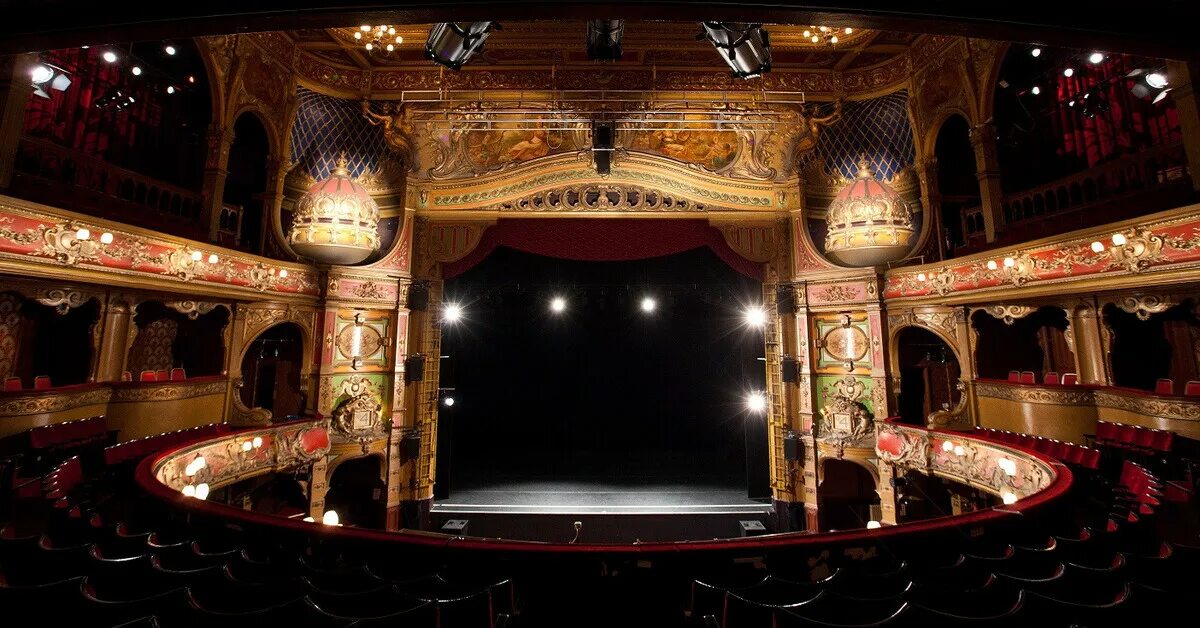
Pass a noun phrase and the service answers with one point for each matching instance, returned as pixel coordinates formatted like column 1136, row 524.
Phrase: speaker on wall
column 603, row 144
column 793, row 448
column 414, row 368
column 791, row 369
column 418, row 297
column 412, row 444
column 785, row 299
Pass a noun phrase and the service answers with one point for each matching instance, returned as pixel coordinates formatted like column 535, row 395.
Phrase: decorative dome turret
column 869, row 224
column 336, row 221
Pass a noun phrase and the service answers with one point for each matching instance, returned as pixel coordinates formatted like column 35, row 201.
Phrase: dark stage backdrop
column 602, row 391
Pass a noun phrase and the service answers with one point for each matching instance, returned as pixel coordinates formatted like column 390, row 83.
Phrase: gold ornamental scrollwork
column 62, row 300
column 168, row 393
column 45, row 404
column 1144, row 306
column 62, row 243
column 1059, row 396
column 1149, row 406
column 1141, row 249
column 193, row 309
column 1009, row 313
column 600, row 197
column 958, row 417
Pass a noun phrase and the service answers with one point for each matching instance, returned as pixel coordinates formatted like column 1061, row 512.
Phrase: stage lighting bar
column 746, row 48
column 604, row 39
column 452, row 44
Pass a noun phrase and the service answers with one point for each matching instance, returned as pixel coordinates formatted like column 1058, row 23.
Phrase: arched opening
column 247, row 180
column 168, row 339
column 1159, row 346
column 957, row 183
column 920, row 496
column 271, row 371
column 847, row 494
column 38, row 341
column 1035, row 343
column 276, row 494
column 357, row 491
column 929, row 373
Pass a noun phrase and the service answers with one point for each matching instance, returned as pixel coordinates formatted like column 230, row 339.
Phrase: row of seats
column 1049, row 379
column 1166, row 386
column 1070, row 453
column 1134, row 438
column 161, row 375
column 41, row 382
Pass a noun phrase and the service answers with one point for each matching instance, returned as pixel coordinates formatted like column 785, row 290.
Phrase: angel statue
column 397, row 124
column 810, row 126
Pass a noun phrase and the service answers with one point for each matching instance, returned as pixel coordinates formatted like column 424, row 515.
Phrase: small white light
column 309, row 519
column 370, row 46
column 399, row 39
column 558, row 305
column 330, row 518
column 365, row 28
column 1036, row 90
column 756, row 316
column 1009, row 262
column 807, row 33
column 991, row 265
column 357, row 35
column 110, row 56
column 200, row 462
column 202, row 491
column 257, row 442
column 41, row 74
column 1009, row 497
column 1157, row 80
column 849, row 30
column 196, row 256
column 191, row 78
column 874, row 525
column 452, row 312
column 247, row 446
column 921, row 277
column 169, row 49
column 212, row 259
column 1097, row 247
column 1096, row 57
column 1118, row 239
column 947, row 446
column 756, row 402
column 189, row 491
column 137, row 70
column 815, row 39
column 390, row 47
column 170, row 89
column 106, row 238
column 83, row 234
column 1007, row 465
column 1037, row 52
column 391, row 30
column 283, row 273
column 958, row 450
column 649, row 304
column 833, row 40
column 1069, row 72
column 448, row 401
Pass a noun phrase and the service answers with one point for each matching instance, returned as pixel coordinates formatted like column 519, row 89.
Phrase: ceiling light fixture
column 380, row 38
column 825, row 34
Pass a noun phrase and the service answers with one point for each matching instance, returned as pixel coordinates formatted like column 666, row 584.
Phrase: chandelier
column 825, row 34
column 381, row 37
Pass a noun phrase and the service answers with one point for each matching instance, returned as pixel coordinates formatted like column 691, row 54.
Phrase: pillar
column 414, row 491
column 1183, row 91
column 114, row 337
column 318, row 486
column 14, row 95
column 931, row 205
column 273, row 240
column 887, row 493
column 1090, row 358
column 396, row 478
column 987, row 171
column 220, row 140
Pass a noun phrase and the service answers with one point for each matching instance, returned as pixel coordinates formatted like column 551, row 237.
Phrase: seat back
column 178, row 374
column 41, row 382
column 1192, row 388
column 1070, row 379
column 1014, row 376
column 162, row 375
column 1028, row 377
column 13, row 383
column 1091, row 458
column 1164, row 386
column 1126, row 434
column 1050, row 379
column 1144, row 437
column 1163, row 440
column 1106, row 431
column 148, row 376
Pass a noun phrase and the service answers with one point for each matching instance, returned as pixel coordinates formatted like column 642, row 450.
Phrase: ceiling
column 646, row 44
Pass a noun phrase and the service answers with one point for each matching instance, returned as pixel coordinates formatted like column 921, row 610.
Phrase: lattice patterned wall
column 878, row 127
column 326, row 126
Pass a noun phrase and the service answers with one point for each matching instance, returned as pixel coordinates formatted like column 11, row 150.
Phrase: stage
column 612, row 511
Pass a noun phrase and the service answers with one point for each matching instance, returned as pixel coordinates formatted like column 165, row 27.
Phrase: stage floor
column 607, row 497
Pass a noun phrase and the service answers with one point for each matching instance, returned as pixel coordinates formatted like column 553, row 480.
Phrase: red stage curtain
column 612, row 240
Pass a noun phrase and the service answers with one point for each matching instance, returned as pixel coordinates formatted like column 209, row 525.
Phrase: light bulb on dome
column 991, row 264
column 874, row 525
column 106, row 238
column 1009, row 498
column 1119, row 239
column 1097, row 247
column 330, row 518
column 82, row 234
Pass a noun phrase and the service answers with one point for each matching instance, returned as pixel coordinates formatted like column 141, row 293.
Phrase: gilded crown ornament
column 869, row 224
column 336, row 221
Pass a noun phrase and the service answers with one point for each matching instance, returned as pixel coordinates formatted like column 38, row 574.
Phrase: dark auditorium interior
column 550, row 314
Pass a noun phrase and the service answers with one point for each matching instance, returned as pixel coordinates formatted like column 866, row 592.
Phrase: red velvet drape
column 593, row 239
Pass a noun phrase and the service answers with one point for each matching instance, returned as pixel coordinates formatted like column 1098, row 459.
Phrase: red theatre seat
column 1014, row 376
column 1028, row 377
column 1050, row 379
column 1164, row 386
column 1070, row 379
column 148, row 376
column 178, row 374
column 12, row 383
column 1192, row 388
column 42, row 382
column 1106, row 432
column 161, row 375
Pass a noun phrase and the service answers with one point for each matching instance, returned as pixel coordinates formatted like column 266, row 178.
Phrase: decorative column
column 220, row 140
column 14, row 95
column 114, row 336
column 1180, row 76
column 1087, row 336
column 805, row 491
column 887, row 494
column 987, row 171
column 931, row 206
column 272, row 241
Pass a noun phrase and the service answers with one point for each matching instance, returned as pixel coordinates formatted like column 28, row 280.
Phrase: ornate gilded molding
column 1144, row 306
column 194, row 309
column 1155, row 407
column 956, row 418
column 1058, row 396
column 1009, row 313
column 169, row 392
column 63, row 300
column 35, row 403
column 1141, row 249
column 587, row 197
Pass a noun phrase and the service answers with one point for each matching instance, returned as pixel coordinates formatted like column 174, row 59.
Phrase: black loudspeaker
column 791, row 369
column 414, row 368
column 418, row 297
column 793, row 448
column 412, row 445
column 785, row 299
column 603, row 144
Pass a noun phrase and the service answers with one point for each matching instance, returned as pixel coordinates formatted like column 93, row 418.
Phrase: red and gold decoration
column 869, row 224
column 336, row 221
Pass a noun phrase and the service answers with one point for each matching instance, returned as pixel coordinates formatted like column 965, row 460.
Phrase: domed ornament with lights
column 869, row 224
column 336, row 221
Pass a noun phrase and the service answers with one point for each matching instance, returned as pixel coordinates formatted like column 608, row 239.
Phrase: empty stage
column 612, row 511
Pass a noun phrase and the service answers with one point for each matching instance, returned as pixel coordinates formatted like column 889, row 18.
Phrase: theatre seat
column 42, row 382
column 1028, row 377
column 1070, row 379
column 1050, row 379
column 12, row 383
column 148, row 376
column 1164, row 386
column 1014, row 376
column 178, row 374
column 1192, row 388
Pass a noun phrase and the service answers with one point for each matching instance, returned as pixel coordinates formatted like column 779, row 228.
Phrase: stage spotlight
column 649, row 304
column 756, row 316
column 1096, row 57
column 746, row 48
column 448, row 401
column 451, row 313
column 756, row 402
column 558, row 305
column 873, row 525
column 137, row 70
column 110, row 56
column 1149, row 84
column 170, row 50
column 1036, row 52
column 44, row 74
column 452, row 44
column 604, row 39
